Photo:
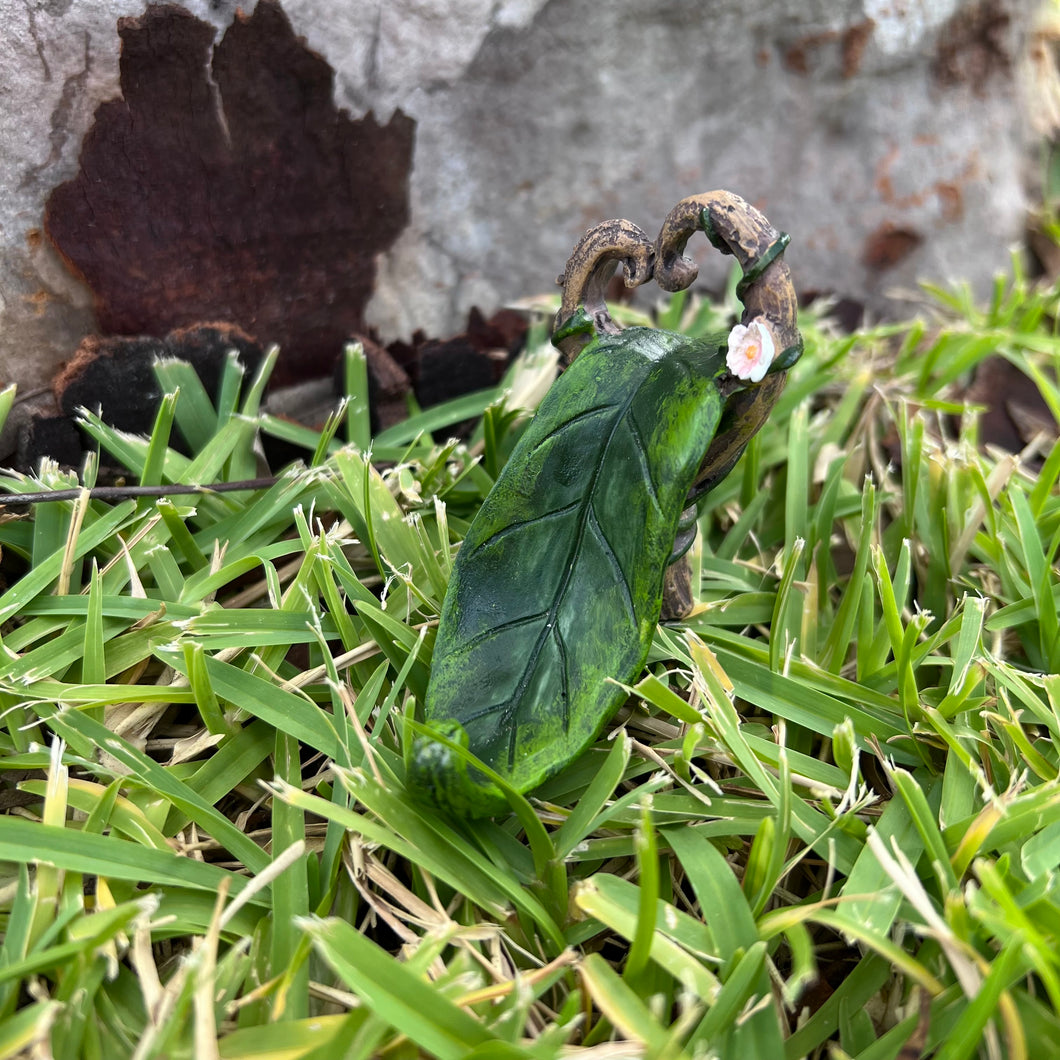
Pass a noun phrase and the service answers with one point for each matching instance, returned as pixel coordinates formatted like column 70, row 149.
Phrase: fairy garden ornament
column 563, row 575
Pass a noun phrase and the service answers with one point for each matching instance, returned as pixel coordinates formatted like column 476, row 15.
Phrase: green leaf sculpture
column 558, row 585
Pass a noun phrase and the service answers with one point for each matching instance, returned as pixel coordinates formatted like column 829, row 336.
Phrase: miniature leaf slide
column 557, row 586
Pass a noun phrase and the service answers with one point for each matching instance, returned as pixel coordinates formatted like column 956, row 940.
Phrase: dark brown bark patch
column 388, row 386
column 803, row 56
column 1015, row 410
column 974, row 46
column 115, row 376
column 888, row 245
column 225, row 185
column 474, row 360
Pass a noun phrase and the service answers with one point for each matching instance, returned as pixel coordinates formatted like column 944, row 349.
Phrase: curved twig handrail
column 583, row 311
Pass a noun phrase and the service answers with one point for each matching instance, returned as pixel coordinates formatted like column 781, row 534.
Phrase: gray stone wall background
column 891, row 138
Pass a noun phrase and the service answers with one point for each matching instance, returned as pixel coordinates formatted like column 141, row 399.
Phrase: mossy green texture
column 557, row 587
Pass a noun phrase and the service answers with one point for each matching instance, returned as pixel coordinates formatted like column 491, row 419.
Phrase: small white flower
column 751, row 350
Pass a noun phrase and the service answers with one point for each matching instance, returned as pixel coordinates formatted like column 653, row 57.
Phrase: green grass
column 827, row 823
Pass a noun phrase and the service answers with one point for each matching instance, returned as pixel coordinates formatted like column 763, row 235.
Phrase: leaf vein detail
column 484, row 712
column 577, row 418
column 513, row 528
column 609, row 552
column 645, row 464
column 549, row 628
column 512, row 623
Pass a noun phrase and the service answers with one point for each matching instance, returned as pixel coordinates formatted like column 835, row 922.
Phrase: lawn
column 825, row 824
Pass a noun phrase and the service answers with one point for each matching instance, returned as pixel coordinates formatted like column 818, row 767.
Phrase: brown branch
column 121, row 493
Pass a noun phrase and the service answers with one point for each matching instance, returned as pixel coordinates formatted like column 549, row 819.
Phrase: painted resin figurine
column 560, row 581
